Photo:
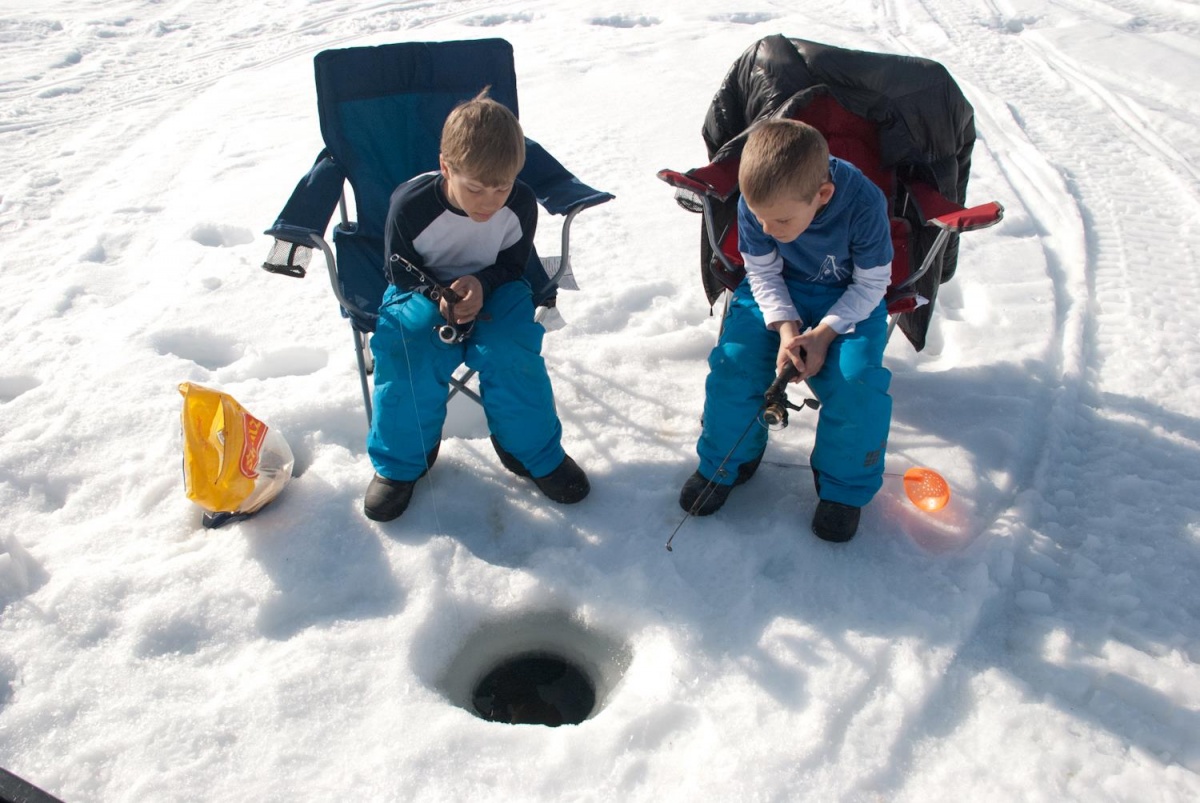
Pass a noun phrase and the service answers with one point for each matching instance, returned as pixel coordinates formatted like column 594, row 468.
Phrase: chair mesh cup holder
column 288, row 259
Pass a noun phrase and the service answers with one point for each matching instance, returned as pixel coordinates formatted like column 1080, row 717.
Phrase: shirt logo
column 830, row 272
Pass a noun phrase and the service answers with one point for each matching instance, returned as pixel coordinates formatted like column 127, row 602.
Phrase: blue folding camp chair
column 381, row 111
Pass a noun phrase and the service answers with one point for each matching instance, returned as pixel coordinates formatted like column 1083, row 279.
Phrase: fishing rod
column 772, row 413
column 924, row 487
column 449, row 332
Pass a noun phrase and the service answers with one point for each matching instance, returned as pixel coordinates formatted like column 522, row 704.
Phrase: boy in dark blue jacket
column 466, row 229
column 814, row 233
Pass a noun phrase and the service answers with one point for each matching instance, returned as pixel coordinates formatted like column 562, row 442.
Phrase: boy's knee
column 736, row 360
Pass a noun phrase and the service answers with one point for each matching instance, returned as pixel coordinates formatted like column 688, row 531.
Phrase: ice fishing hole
column 535, row 669
column 535, row 689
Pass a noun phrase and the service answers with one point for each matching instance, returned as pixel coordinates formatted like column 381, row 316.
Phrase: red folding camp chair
column 901, row 120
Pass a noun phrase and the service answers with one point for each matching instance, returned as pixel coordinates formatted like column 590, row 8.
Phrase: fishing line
column 437, row 519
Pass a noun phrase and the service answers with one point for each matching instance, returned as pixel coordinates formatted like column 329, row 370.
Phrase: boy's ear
column 825, row 192
column 443, row 168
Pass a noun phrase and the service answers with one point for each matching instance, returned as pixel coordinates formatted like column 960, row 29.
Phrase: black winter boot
column 699, row 497
column 387, row 499
column 508, row 461
column 566, row 484
column 694, row 488
column 835, row 522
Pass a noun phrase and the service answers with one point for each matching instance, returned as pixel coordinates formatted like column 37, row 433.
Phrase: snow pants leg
column 412, row 378
column 506, row 350
column 856, row 410
column 740, row 369
column 855, row 414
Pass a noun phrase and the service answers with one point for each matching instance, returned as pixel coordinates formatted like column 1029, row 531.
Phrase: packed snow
column 1039, row 639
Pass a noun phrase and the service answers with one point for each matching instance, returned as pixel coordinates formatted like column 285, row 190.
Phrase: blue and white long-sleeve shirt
column 424, row 228
column 848, row 244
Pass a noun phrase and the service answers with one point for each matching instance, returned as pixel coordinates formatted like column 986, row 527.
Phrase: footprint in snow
column 1017, row 24
column 625, row 21
column 492, row 20
column 70, row 59
column 290, row 361
column 20, row 575
column 203, row 348
column 744, row 17
column 13, row 386
column 178, row 636
column 219, row 235
column 108, row 247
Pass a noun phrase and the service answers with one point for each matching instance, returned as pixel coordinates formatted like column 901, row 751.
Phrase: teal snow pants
column 855, row 413
column 412, row 377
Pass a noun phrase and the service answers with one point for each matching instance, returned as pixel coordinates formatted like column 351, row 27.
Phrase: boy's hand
column 470, row 300
column 788, row 331
column 805, row 351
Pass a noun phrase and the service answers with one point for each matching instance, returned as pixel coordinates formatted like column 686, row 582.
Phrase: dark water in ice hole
column 535, row 689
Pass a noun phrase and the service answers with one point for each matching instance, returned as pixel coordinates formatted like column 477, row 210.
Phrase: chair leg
column 361, row 358
column 458, row 384
column 728, row 296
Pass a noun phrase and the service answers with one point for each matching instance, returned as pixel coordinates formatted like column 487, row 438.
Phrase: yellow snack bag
column 233, row 463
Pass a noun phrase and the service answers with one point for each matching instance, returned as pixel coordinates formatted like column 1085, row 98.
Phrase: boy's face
column 784, row 219
column 480, row 201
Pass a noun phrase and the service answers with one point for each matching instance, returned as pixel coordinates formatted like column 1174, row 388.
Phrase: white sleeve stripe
column 860, row 299
column 875, row 278
column 765, row 273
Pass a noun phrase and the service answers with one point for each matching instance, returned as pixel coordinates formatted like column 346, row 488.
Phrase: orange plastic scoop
column 926, row 489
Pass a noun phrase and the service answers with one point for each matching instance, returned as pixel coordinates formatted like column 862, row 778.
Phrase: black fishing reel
column 451, row 333
column 774, row 414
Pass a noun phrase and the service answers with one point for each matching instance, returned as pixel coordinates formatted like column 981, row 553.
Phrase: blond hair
column 483, row 139
column 783, row 159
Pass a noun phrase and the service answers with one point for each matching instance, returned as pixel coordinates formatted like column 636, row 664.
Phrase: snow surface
column 1038, row 640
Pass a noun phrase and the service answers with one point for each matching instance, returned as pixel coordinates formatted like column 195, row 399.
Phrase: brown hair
column 483, row 139
column 783, row 158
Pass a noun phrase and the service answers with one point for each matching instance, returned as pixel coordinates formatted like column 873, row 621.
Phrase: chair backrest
column 382, row 108
column 856, row 140
column 850, row 137
column 381, row 111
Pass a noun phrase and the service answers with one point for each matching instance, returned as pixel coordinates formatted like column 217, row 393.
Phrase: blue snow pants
column 412, row 378
column 855, row 413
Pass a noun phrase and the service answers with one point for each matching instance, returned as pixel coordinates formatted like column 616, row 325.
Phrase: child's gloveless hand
column 470, row 300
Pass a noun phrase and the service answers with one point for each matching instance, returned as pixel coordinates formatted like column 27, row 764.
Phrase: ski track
column 1126, row 183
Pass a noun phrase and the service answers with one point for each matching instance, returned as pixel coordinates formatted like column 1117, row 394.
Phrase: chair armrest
column 938, row 210
column 977, row 217
column 569, row 195
column 297, row 235
column 717, row 180
column 310, row 207
column 556, row 188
